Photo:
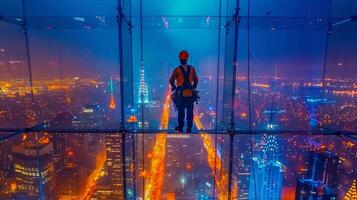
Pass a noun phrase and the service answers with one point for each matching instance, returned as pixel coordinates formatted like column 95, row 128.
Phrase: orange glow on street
column 155, row 175
column 44, row 140
column 13, row 187
column 288, row 193
column 95, row 175
column 170, row 196
column 214, row 163
column 261, row 85
column 24, row 137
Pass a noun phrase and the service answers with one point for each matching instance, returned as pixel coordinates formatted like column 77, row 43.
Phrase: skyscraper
column 59, row 140
column 308, row 189
column 68, row 179
column 323, row 167
column 321, row 180
column 114, row 164
column 266, row 182
column 5, row 160
column 143, row 88
column 34, row 169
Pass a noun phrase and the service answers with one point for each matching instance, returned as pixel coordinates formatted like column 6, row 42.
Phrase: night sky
column 80, row 38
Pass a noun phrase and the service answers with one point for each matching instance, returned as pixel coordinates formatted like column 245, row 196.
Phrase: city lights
column 155, row 177
column 86, row 110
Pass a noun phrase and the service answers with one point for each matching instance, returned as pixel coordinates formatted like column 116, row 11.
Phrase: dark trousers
column 185, row 104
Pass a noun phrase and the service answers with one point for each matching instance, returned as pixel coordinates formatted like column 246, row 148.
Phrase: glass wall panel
column 286, row 70
column 230, row 65
column 241, row 103
column 75, row 69
column 76, row 77
column 340, row 10
column 74, row 58
column 293, row 166
column 54, row 165
column 126, row 32
column 16, row 104
column 182, row 166
column 339, row 111
column 159, row 62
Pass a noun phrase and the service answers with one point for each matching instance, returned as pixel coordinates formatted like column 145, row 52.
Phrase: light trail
column 95, row 175
column 215, row 163
column 155, row 177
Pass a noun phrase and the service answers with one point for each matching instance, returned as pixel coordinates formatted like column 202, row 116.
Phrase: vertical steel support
column 232, row 131
column 122, row 117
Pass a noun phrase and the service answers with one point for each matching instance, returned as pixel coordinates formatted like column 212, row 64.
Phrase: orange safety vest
column 180, row 80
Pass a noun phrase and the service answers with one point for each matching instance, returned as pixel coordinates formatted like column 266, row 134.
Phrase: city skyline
column 86, row 110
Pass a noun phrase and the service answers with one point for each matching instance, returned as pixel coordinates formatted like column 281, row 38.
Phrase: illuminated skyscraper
column 266, row 183
column 60, row 141
column 114, row 165
column 308, row 189
column 270, row 147
column 143, row 88
column 114, row 168
column 5, row 160
column 112, row 101
column 68, row 183
column 34, row 169
column 321, row 180
column 323, row 167
column 68, row 178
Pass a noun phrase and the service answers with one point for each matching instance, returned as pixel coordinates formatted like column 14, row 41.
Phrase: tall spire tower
column 269, row 170
column 112, row 101
column 270, row 147
column 143, row 88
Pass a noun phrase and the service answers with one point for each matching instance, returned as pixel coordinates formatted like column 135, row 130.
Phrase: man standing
column 184, row 82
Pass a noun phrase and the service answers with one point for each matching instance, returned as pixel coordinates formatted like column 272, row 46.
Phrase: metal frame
column 16, row 131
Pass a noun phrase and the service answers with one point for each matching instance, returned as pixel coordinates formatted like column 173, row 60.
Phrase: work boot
column 179, row 129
